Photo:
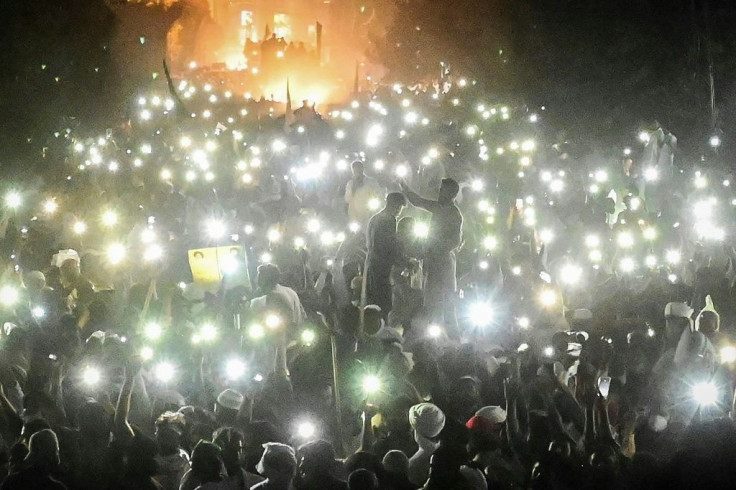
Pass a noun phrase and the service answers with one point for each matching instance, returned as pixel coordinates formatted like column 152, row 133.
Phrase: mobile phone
column 53, row 357
column 604, row 385
column 519, row 203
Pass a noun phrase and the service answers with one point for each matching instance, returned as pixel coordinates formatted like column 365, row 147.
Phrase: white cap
column 711, row 308
column 230, row 399
column 494, row 413
column 427, row 419
column 678, row 309
column 657, row 423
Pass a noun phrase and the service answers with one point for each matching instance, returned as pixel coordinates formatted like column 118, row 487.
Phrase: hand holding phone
column 604, row 386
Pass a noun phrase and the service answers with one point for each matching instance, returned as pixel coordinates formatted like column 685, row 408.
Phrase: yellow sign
column 210, row 266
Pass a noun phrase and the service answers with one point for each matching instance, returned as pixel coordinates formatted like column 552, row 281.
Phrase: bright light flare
column 235, row 369
column 421, row 229
column 481, row 314
column 705, row 393
column 115, row 253
column 153, row 331
column 308, row 336
column 548, row 298
column 728, row 354
column 306, row 430
column 91, row 376
column 371, row 385
column 571, row 274
column 164, row 371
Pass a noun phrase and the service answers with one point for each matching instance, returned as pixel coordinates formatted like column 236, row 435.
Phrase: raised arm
column 417, row 200
column 122, row 428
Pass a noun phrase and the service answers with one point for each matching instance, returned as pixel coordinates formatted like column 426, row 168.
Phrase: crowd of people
column 421, row 289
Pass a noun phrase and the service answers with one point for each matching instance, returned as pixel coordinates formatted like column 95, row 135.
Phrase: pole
column 336, row 393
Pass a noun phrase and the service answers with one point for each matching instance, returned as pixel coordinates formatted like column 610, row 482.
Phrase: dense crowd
column 420, row 289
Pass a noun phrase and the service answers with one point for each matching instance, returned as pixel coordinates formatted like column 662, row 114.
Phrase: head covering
column 678, row 309
column 657, row 423
column 276, row 456
column 396, row 462
column 230, row 399
column 427, row 419
column 708, row 307
column 493, row 413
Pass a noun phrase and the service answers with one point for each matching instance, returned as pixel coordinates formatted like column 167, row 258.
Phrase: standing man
column 384, row 251
column 359, row 192
column 445, row 236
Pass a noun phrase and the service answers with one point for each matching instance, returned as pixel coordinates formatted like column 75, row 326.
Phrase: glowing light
column 234, row 369
column 476, row 185
column 308, row 336
column 523, row 322
column 421, row 229
column 490, row 242
column 79, row 228
column 256, row 332
column 627, row 264
column 548, row 297
column 153, row 331
column 714, row 141
column 273, row 321
column 571, row 274
column 592, row 241
column 700, row 182
column 208, row 332
column 549, row 351
column 401, row 171
column 50, row 206
column 528, row 145
column 651, row 174
column 115, row 253
column 644, row 137
column 728, row 354
column 164, row 371
column 306, row 430
column 650, row 261
column 601, row 176
column 556, row 185
column 481, row 314
column 146, row 353
column 672, row 256
column 109, row 218
column 434, row 331
column 13, row 200
column 705, row 393
column 9, row 296
column 91, row 376
column 215, row 228
column 546, row 235
column 371, row 385
column 374, row 204
column 38, row 312
column 625, row 240
column 278, row 146
column 273, row 235
column 374, row 135
column 649, row 233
